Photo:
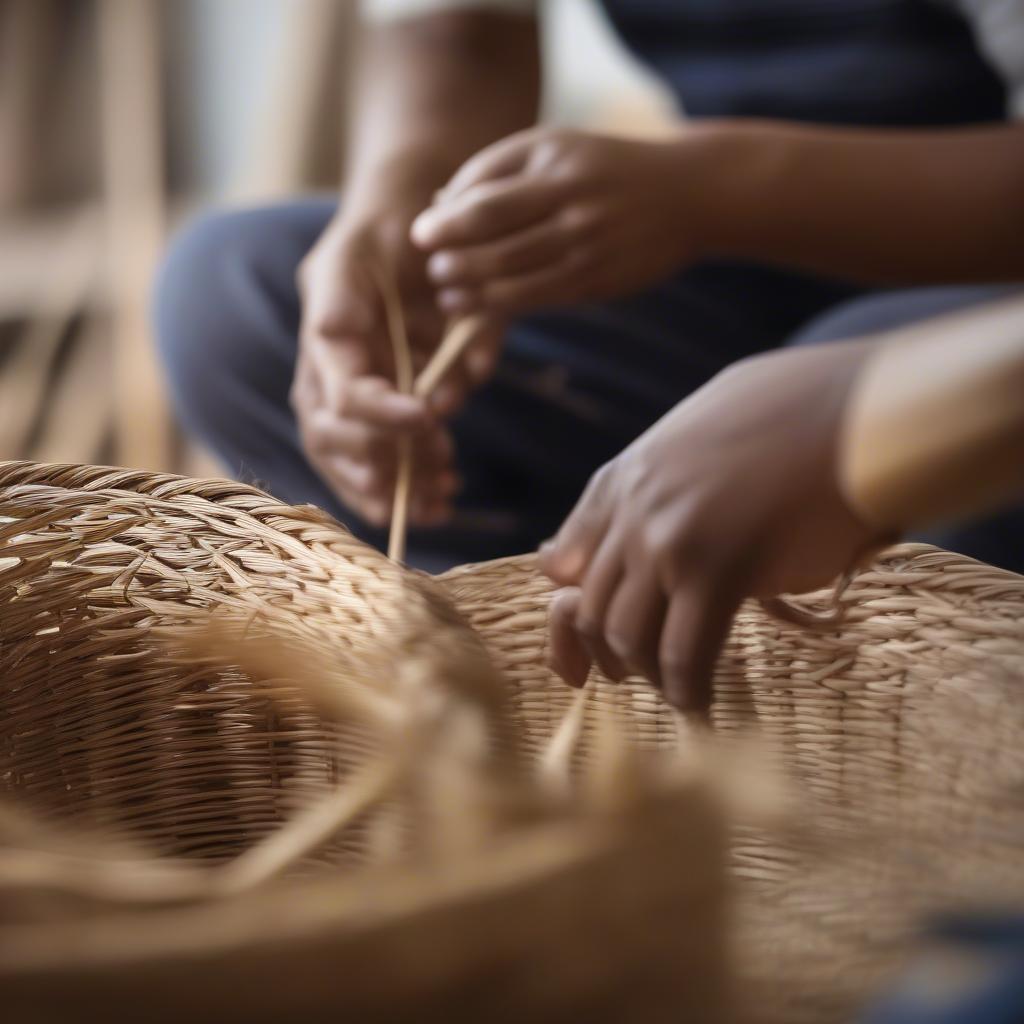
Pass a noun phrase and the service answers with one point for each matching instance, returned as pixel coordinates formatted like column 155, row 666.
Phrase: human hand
column 553, row 216
column 733, row 494
column 349, row 411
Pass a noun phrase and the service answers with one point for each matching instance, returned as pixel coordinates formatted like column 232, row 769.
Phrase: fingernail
column 442, row 266
column 424, row 228
column 569, row 669
column 454, row 300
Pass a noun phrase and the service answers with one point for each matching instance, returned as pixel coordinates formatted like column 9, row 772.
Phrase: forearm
column 893, row 207
column 432, row 91
column 934, row 424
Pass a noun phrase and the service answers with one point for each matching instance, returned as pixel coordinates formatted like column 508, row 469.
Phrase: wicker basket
column 192, row 666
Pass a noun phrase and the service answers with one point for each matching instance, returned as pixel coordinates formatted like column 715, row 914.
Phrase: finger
column 305, row 394
column 451, row 391
column 376, row 401
column 696, row 625
column 565, row 558
column 487, row 212
column 634, row 622
column 558, row 283
column 527, row 250
column 483, row 354
column 328, row 435
column 333, row 363
column 505, row 157
column 338, row 297
column 344, row 479
column 567, row 655
column 601, row 580
column 469, row 370
column 427, row 511
column 434, row 480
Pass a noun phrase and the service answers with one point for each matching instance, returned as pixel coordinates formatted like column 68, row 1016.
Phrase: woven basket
column 194, row 667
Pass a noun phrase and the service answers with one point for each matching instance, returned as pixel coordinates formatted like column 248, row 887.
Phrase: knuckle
column 676, row 666
column 552, row 147
column 315, row 441
column 601, row 480
column 578, row 219
column 588, row 627
column 345, row 403
column 622, row 646
column 376, row 514
column 477, row 217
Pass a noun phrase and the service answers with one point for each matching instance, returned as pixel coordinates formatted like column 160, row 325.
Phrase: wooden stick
column 26, row 375
column 131, row 105
column 556, row 761
column 454, row 343
column 402, row 351
column 80, row 402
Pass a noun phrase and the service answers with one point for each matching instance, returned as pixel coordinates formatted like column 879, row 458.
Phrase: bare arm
column 888, row 206
column 934, row 425
column 431, row 91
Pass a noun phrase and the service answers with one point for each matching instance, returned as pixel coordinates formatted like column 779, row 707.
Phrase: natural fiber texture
column 124, row 713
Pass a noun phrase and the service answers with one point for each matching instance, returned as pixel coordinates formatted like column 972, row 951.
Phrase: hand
column 733, row 494
column 551, row 217
column 349, row 412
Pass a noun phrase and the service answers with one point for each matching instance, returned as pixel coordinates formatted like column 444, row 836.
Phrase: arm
column 431, row 90
column 546, row 216
column 897, row 206
column 934, row 425
column 774, row 478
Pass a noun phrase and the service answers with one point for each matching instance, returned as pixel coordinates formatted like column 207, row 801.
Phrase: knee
column 891, row 310
column 195, row 308
column 216, row 303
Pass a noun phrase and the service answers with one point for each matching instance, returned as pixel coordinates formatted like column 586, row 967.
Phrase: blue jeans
column 573, row 387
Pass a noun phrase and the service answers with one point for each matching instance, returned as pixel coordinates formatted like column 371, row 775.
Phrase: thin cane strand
column 453, row 344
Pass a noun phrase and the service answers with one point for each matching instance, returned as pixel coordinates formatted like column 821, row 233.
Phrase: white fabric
column 999, row 31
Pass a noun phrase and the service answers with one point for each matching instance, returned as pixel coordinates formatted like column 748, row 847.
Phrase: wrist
column 400, row 180
column 735, row 168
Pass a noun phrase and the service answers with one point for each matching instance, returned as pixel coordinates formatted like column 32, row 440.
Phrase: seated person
column 782, row 473
column 841, row 170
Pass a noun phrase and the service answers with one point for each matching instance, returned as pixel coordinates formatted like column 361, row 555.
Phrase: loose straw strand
column 453, row 344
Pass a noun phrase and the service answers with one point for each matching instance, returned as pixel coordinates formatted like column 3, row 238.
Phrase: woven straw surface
column 899, row 732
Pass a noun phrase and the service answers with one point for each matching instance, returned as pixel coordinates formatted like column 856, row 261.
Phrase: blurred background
column 120, row 117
